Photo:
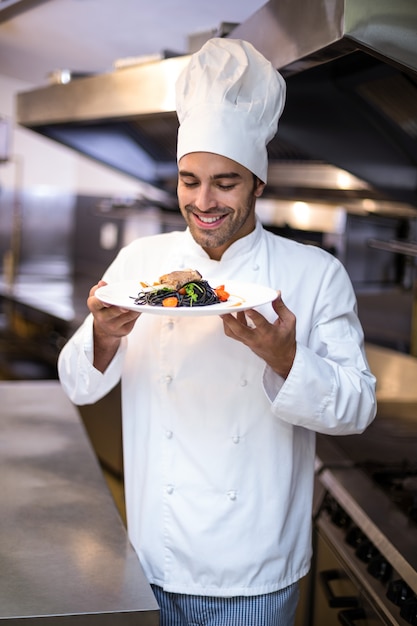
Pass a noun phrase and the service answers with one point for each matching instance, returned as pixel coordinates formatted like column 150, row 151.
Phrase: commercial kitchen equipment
column 65, row 557
column 366, row 510
column 346, row 139
column 347, row 136
column 351, row 70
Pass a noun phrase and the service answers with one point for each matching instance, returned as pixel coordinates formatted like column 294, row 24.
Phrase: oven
column 364, row 568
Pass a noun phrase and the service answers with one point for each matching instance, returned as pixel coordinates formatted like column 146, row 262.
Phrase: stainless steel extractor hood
column 351, row 70
column 11, row 8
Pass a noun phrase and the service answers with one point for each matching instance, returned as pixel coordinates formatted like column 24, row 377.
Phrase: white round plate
column 243, row 296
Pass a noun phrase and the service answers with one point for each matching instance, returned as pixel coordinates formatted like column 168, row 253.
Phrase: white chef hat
column 229, row 100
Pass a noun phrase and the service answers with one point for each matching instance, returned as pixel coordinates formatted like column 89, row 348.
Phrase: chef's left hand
column 274, row 343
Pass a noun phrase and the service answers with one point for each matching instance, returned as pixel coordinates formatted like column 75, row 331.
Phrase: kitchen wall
column 40, row 181
column 41, row 184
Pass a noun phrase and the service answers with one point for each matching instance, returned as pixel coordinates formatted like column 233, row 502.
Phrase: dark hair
column 256, row 179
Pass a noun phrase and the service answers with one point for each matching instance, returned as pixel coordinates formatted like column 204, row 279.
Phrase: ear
column 259, row 188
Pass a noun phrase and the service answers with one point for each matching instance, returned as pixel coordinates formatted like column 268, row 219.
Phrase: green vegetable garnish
column 189, row 290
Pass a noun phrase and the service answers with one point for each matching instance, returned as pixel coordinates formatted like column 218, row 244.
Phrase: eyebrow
column 231, row 175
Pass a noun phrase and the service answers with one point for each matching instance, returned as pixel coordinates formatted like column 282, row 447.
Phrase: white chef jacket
column 218, row 449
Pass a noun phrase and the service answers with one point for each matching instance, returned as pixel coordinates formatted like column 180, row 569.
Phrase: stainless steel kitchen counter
column 59, row 297
column 65, row 558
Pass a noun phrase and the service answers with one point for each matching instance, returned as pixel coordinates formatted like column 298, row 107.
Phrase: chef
column 220, row 411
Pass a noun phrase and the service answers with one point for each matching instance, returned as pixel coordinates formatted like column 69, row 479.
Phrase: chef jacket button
column 232, row 494
column 168, row 434
column 168, row 379
column 243, row 382
column 170, row 324
column 169, row 489
column 256, row 267
column 236, row 439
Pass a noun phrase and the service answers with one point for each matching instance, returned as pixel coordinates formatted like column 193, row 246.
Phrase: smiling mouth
column 209, row 220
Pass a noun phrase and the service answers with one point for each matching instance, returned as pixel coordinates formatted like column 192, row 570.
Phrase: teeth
column 208, row 220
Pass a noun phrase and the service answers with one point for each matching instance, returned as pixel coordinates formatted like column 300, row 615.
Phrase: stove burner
column 399, row 482
column 398, row 592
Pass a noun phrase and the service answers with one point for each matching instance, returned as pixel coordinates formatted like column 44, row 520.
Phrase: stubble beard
column 226, row 232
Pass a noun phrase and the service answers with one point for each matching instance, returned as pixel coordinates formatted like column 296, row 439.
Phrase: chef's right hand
column 109, row 320
column 111, row 323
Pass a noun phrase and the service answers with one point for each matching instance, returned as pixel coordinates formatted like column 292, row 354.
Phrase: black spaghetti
column 194, row 293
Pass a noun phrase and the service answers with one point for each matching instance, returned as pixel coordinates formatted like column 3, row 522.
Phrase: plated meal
column 182, row 288
column 185, row 292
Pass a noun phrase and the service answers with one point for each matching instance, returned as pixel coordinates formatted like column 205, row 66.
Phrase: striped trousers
column 272, row 609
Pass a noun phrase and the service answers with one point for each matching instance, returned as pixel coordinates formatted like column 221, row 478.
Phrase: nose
column 205, row 199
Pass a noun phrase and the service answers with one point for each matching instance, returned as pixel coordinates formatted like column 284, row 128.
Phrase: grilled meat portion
column 176, row 280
